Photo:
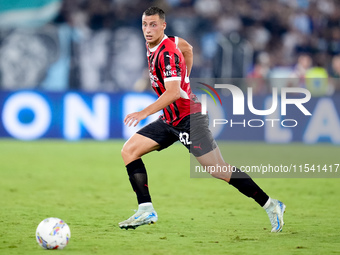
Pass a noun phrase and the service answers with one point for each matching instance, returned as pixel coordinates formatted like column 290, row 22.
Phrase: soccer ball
column 53, row 233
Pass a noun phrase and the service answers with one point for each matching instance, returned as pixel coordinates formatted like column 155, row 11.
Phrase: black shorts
column 193, row 132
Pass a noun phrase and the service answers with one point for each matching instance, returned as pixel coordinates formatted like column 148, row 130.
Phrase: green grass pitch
column 85, row 184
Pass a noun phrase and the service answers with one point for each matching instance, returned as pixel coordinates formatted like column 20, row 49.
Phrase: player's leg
column 137, row 146
column 245, row 184
column 208, row 154
column 215, row 158
column 233, row 176
column 152, row 137
column 132, row 151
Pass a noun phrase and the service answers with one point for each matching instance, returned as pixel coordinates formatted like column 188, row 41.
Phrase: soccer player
column 170, row 61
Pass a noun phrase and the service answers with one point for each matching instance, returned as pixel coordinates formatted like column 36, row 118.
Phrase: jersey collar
column 153, row 49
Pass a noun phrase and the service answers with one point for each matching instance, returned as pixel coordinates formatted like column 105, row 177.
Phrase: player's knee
column 128, row 151
column 125, row 152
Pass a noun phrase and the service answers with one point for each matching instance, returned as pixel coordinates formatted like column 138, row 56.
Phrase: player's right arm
column 187, row 51
column 171, row 94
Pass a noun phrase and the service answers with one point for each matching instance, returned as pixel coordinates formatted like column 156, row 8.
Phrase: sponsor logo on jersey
column 170, row 73
column 153, row 78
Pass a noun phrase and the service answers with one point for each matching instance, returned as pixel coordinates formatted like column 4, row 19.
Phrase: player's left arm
column 170, row 95
column 187, row 51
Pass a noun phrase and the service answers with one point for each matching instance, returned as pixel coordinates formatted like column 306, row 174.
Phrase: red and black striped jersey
column 166, row 63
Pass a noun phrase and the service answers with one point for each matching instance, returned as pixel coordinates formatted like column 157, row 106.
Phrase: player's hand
column 134, row 118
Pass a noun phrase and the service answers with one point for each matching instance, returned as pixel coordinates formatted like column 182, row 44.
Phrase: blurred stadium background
column 70, row 68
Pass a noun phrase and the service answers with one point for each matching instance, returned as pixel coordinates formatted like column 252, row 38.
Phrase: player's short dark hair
column 154, row 10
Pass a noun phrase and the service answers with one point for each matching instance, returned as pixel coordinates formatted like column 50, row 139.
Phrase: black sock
column 248, row 187
column 139, row 180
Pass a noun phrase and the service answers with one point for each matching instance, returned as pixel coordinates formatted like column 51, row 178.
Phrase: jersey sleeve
column 170, row 64
column 174, row 39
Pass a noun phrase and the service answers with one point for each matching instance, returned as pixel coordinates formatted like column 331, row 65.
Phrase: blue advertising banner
column 29, row 115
